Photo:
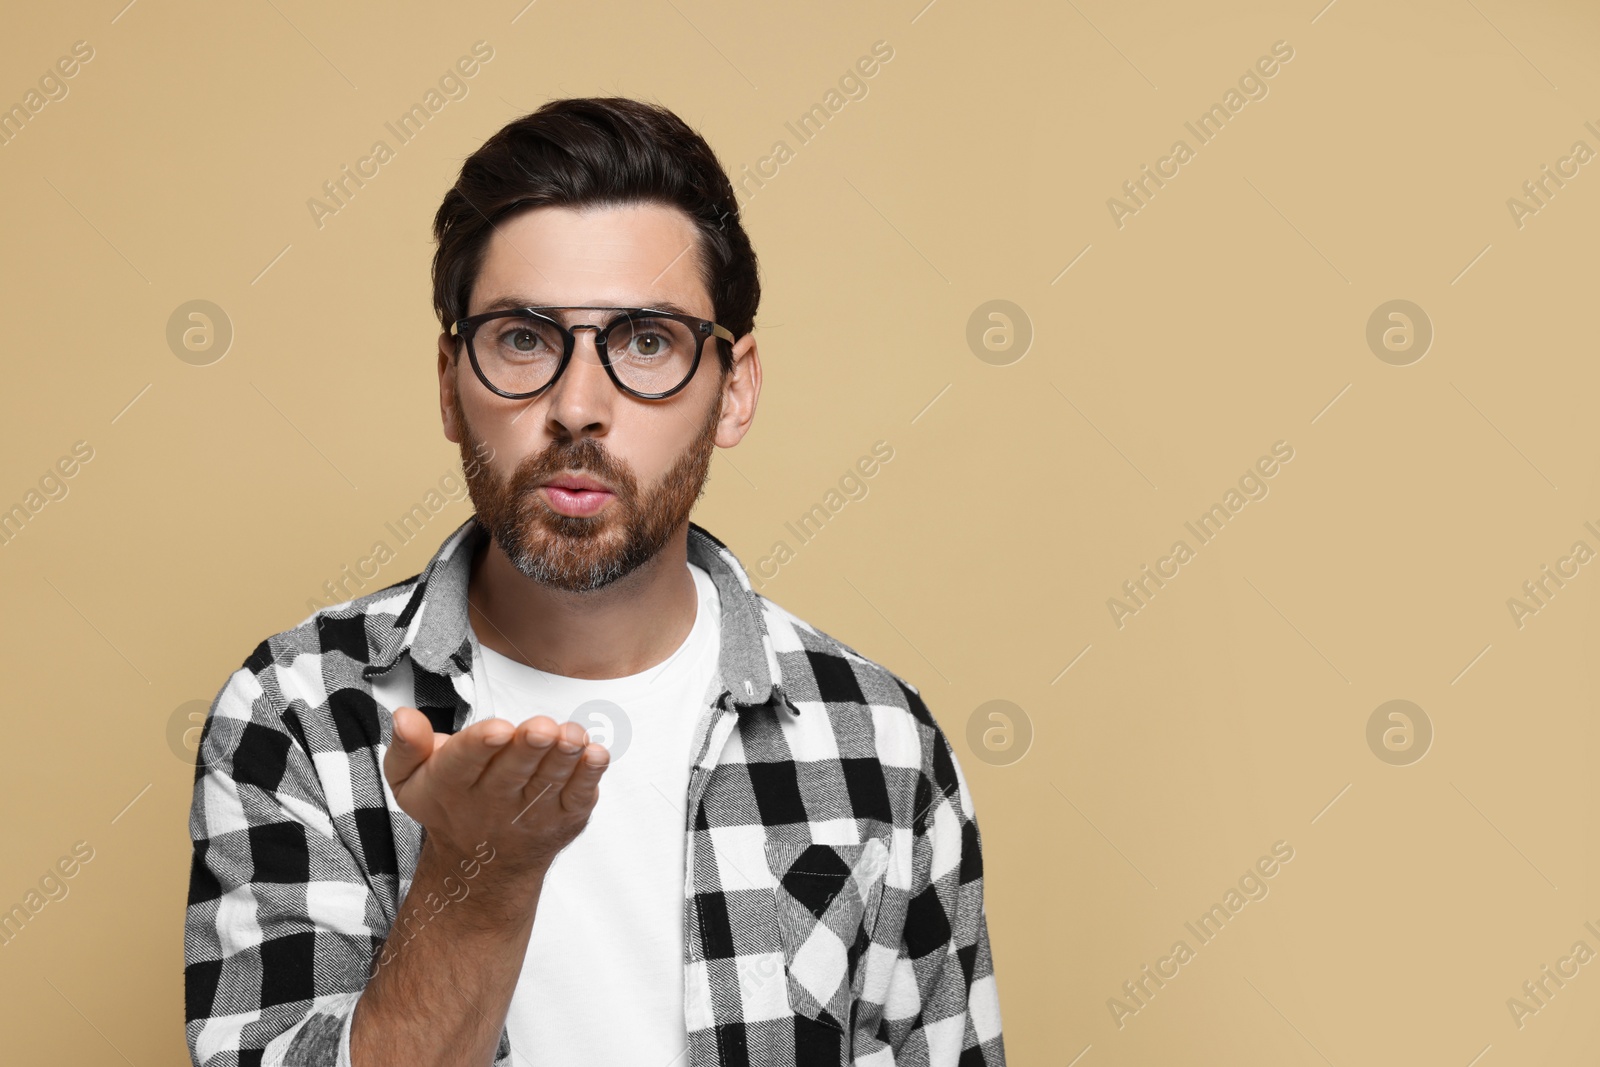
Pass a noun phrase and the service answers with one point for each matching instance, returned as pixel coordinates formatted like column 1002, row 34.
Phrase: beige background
column 1229, row 313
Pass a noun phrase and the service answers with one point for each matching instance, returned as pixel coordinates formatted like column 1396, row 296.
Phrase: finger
column 558, row 762
column 509, row 770
column 575, row 734
column 583, row 788
column 410, row 747
column 460, row 762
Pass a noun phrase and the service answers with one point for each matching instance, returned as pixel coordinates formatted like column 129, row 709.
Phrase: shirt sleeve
column 943, row 1008
column 278, row 937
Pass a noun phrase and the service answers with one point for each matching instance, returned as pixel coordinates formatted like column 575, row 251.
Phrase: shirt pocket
column 828, row 898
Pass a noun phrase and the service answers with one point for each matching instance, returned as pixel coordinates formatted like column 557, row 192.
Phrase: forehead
column 630, row 255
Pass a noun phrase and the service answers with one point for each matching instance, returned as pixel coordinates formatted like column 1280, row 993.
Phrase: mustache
column 584, row 455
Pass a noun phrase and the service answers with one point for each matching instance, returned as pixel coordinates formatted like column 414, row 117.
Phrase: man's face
column 653, row 455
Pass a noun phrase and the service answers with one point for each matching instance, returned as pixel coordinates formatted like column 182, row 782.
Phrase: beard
column 580, row 554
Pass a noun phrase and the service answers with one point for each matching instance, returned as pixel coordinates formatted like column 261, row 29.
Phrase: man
column 408, row 848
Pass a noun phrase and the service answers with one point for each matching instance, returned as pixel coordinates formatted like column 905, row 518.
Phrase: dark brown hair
column 584, row 151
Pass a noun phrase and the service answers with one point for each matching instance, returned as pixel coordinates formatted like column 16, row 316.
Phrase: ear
column 741, row 388
column 448, row 349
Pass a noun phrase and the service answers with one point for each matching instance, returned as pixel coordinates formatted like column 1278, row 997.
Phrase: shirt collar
column 432, row 626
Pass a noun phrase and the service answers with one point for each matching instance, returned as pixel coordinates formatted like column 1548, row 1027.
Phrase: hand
column 511, row 786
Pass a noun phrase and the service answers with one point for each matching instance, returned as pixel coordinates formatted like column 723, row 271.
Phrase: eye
column 521, row 339
column 649, row 341
column 648, row 344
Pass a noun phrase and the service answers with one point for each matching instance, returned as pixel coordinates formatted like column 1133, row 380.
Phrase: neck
column 626, row 627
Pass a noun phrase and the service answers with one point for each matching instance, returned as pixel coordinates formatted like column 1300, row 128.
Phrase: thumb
column 411, row 746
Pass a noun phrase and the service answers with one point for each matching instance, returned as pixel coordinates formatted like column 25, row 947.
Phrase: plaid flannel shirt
column 833, row 909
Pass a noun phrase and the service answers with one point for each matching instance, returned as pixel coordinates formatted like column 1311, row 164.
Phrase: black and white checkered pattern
column 833, row 911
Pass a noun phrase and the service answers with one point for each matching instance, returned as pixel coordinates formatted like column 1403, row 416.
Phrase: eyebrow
column 507, row 303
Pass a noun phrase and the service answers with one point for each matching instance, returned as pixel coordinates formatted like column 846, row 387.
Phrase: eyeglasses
column 647, row 353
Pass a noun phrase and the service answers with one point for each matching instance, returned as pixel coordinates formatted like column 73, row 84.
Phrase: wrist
column 482, row 881
column 444, row 857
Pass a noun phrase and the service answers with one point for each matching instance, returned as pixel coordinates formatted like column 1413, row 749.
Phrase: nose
column 580, row 402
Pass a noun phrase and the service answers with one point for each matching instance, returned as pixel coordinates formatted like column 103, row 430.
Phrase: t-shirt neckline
column 513, row 674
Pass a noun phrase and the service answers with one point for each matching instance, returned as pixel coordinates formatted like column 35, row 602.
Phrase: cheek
column 651, row 452
column 656, row 448
column 494, row 447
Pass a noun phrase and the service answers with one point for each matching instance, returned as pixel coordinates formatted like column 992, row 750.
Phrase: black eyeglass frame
column 466, row 328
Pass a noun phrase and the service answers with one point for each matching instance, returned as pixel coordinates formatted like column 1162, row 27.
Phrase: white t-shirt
column 602, row 981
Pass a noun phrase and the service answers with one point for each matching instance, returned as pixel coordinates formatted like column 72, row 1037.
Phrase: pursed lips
column 576, row 495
